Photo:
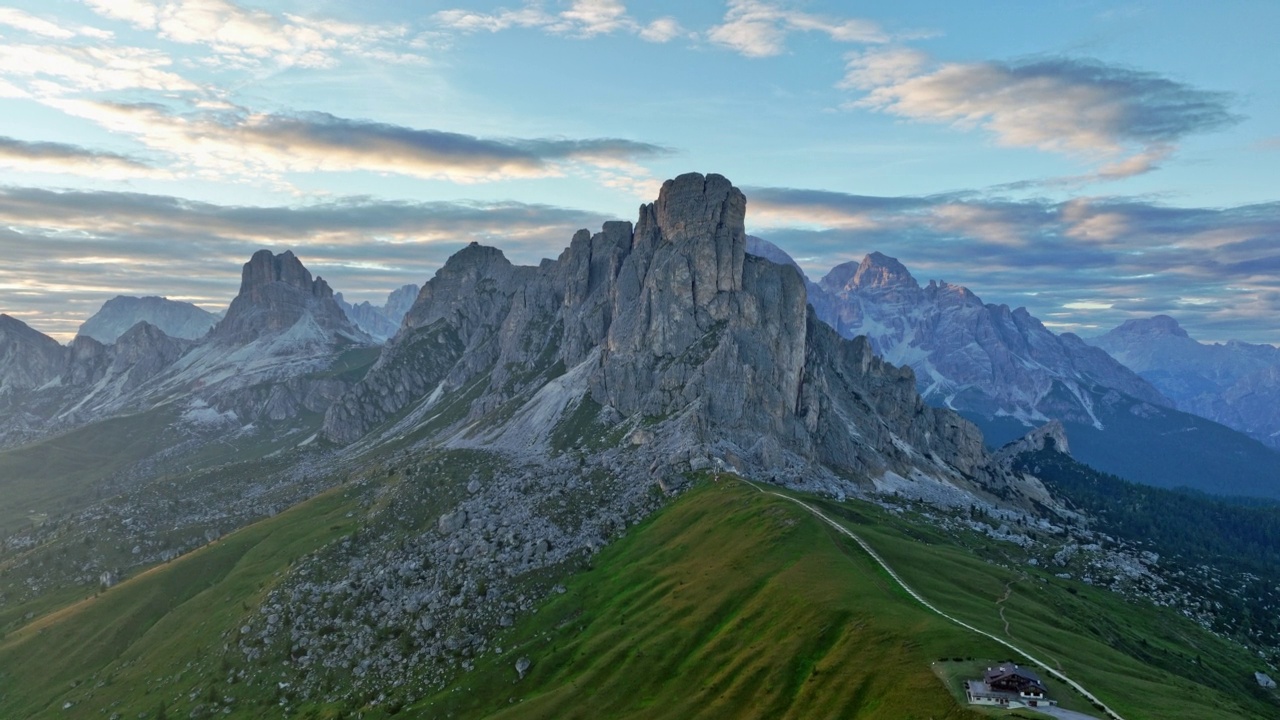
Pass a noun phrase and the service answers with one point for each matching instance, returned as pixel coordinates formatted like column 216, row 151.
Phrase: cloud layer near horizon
column 1083, row 265
column 67, row 252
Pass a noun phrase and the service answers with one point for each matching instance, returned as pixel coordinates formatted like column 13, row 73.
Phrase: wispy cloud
column 54, row 70
column 583, row 18
column 759, row 28
column 241, row 36
column 28, row 23
column 67, row 252
column 239, row 142
column 51, row 157
column 1127, row 120
column 1086, row 264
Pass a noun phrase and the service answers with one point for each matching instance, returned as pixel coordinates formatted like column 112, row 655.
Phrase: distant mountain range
column 1234, row 383
column 1005, row 371
column 651, row 330
column 265, row 359
column 381, row 321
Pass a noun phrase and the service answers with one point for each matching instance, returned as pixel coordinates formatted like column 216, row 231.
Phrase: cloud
column 240, row 142
column 597, row 17
column 1085, row 264
column 583, row 18
column 67, row 252
column 52, row 157
column 758, row 28
column 242, row 36
column 52, row 70
column 662, row 30
column 33, row 25
column 1130, row 120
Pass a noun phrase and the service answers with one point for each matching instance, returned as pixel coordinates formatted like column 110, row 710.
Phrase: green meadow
column 725, row 604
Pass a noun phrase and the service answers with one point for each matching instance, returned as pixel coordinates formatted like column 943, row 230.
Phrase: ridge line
column 879, row 560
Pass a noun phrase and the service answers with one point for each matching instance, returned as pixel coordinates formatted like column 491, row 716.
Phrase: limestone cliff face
column 669, row 325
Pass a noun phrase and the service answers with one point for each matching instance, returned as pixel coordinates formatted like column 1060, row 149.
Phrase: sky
column 1091, row 161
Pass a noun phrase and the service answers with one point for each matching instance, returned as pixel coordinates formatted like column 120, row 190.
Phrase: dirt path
column 880, row 561
column 1008, row 590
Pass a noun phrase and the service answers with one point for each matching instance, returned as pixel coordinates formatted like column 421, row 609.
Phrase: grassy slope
column 727, row 603
column 159, row 636
column 60, row 473
column 1145, row 662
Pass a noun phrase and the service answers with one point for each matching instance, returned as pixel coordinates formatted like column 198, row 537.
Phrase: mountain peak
column 265, row 267
column 880, row 270
column 1155, row 325
column 692, row 206
column 122, row 312
column 276, row 291
column 876, row 270
column 706, row 215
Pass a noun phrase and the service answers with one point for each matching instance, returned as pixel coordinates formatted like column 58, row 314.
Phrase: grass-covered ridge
column 725, row 604
column 733, row 604
column 163, row 635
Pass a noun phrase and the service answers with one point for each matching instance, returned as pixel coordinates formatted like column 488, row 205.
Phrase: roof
column 1004, row 671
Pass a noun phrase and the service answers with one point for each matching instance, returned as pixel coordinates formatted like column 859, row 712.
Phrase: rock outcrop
column 45, row 386
column 28, row 357
column 176, row 319
column 1050, row 435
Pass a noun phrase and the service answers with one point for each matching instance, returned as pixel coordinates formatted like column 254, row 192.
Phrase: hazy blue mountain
column 1005, row 371
column 381, row 321
column 1234, row 383
column 173, row 318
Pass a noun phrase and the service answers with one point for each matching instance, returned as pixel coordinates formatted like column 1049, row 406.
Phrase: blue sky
column 1093, row 161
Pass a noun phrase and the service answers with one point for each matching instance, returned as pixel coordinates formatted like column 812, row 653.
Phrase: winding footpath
column 880, row 561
